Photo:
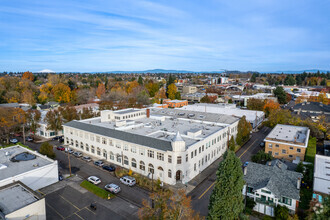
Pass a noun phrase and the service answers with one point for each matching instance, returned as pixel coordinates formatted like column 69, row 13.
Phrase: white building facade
column 172, row 147
column 322, row 174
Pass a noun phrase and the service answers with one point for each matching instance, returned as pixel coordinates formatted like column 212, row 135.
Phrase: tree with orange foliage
column 161, row 94
column 168, row 205
column 323, row 98
column 28, row 97
column 270, row 105
column 131, row 86
column 100, row 90
column 28, row 75
column 61, row 93
column 10, row 118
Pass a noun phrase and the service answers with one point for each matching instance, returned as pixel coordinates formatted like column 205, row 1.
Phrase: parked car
column 128, row 180
column 60, row 177
column 245, row 164
column 77, row 154
column 93, row 179
column 109, row 168
column 61, row 140
column 112, row 188
column 18, row 135
column 13, row 140
column 69, row 150
column 98, row 163
column 55, row 138
column 87, row 158
column 29, row 139
column 262, row 144
column 61, row 148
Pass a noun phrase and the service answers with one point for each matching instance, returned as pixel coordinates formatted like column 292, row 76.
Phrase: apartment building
column 271, row 185
column 189, row 89
column 173, row 145
column 322, row 174
column 287, row 142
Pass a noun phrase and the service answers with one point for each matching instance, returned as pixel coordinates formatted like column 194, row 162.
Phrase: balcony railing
column 266, row 202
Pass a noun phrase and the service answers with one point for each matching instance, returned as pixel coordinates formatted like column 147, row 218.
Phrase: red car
column 61, row 148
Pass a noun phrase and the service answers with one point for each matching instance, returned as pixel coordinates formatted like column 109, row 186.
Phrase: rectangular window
column 202, row 147
column 133, row 149
column 277, row 145
column 151, row 153
column 290, row 156
column 169, row 159
column 92, row 137
column 195, row 167
column 270, row 145
column 195, row 152
column 286, row 201
column 141, row 151
column 97, row 139
column 104, row 141
column 291, row 148
column 110, row 142
column 160, row 156
column 118, row 145
column 199, row 150
column 179, row 160
column 283, row 151
column 202, row 161
column 276, row 154
column 125, row 147
column 270, row 152
column 192, row 154
column 250, row 190
column 298, row 150
column 266, row 191
column 186, row 157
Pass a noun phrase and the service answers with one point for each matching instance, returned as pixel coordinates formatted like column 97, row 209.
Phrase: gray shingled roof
column 312, row 106
column 279, row 181
column 122, row 135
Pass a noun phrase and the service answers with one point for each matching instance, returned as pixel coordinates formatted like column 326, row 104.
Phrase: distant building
column 31, row 168
column 155, row 105
column 175, row 103
column 173, row 145
column 244, row 98
column 287, row 142
column 94, row 106
column 254, row 117
column 189, row 89
column 322, row 174
column 197, row 96
column 272, row 185
column 312, row 110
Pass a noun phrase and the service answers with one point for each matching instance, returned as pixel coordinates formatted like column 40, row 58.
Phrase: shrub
column 261, row 157
column 47, row 149
column 96, row 190
column 281, row 213
column 311, row 150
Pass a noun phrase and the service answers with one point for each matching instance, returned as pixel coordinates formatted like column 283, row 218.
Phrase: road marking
column 44, row 194
column 86, row 207
column 79, row 216
column 206, row 190
column 69, row 202
column 247, row 149
column 55, row 210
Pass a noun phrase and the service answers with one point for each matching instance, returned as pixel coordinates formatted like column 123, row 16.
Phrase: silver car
column 112, row 188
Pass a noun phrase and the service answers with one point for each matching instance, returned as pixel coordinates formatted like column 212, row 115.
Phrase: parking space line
column 79, row 216
column 69, row 202
column 55, row 210
column 86, row 207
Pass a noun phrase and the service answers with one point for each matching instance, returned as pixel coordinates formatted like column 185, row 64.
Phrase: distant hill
column 165, row 71
column 299, row 71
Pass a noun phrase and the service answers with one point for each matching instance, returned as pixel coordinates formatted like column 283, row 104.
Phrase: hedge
column 311, row 150
column 96, row 190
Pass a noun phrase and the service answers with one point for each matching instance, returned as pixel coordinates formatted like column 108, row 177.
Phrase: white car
column 112, row 188
column 93, row 179
column 13, row 140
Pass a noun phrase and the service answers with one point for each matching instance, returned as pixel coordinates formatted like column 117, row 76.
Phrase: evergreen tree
column 280, row 94
column 140, row 80
column 47, row 149
column 226, row 200
column 231, row 144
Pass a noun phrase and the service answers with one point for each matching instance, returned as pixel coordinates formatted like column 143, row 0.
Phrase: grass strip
column 102, row 193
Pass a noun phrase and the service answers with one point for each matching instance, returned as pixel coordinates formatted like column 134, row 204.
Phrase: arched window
column 112, row 156
column 81, row 145
column 87, row 147
column 118, row 158
column 98, row 150
column 67, row 140
column 142, row 166
column 169, row 174
column 77, row 145
column 160, row 169
column 151, row 168
column 125, row 160
column 105, row 154
column 133, row 163
column 71, row 142
column 93, row 149
column 160, row 172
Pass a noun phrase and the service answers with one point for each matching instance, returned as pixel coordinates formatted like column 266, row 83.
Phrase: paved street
column 201, row 194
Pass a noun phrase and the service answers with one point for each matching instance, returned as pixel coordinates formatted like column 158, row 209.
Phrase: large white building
column 31, row 168
column 172, row 144
column 17, row 201
column 254, row 117
column 322, row 174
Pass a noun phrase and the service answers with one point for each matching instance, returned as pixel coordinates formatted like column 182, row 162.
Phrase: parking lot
column 70, row 203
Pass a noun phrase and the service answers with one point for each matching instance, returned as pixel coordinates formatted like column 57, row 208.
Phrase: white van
column 128, row 180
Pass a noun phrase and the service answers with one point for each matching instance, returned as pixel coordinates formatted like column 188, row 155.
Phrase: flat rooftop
column 126, row 111
column 9, row 168
column 289, row 134
column 15, row 196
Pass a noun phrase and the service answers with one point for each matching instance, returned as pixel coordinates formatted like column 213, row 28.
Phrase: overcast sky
column 209, row 35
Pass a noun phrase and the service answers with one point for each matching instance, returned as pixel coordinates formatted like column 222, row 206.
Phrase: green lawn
column 311, row 150
column 19, row 143
column 96, row 190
